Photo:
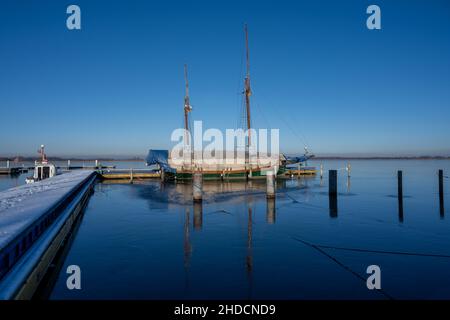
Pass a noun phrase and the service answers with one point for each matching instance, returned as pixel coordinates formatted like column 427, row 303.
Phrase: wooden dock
column 308, row 171
column 34, row 229
column 129, row 174
column 12, row 170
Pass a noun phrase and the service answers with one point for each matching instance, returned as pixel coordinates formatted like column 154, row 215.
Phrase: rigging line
column 292, row 130
column 239, row 112
column 239, row 87
column 261, row 112
column 243, row 113
column 382, row 291
column 302, row 140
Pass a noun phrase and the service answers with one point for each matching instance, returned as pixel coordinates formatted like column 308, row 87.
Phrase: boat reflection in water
column 148, row 240
column 171, row 195
column 270, row 216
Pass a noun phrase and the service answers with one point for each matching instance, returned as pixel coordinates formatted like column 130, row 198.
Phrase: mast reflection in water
column 149, row 241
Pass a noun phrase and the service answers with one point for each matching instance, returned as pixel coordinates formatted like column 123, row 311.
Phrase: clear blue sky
column 116, row 87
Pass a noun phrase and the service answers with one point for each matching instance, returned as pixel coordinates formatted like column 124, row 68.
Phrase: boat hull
column 259, row 173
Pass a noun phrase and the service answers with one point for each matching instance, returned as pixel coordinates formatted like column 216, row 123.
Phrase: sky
column 116, row 87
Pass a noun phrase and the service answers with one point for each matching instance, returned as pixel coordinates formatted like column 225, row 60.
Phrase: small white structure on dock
column 42, row 169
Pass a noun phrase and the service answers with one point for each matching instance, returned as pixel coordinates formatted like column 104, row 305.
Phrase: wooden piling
column 270, row 212
column 270, row 184
column 400, row 183
column 332, row 192
column 198, row 215
column 400, row 194
column 131, row 175
column 332, row 182
column 441, row 192
column 197, row 186
column 332, row 201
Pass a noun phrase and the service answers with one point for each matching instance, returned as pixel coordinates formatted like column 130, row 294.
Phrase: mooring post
column 333, row 206
column 198, row 215
column 131, row 175
column 68, row 164
column 7, row 164
column 197, row 186
column 163, row 175
column 332, row 192
column 298, row 170
column 400, row 195
column 270, row 184
column 332, row 182
column 349, row 168
column 400, row 183
column 270, row 213
column 441, row 191
column 321, row 170
column 96, row 163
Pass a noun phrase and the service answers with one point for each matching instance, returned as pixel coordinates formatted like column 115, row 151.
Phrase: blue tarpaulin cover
column 159, row 157
column 304, row 158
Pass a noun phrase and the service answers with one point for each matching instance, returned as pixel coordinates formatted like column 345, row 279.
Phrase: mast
column 187, row 106
column 247, row 90
column 187, row 109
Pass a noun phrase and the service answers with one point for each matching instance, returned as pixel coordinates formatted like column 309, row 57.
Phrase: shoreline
column 32, row 159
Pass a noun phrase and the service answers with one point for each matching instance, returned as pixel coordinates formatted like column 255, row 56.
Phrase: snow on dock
column 35, row 220
column 21, row 206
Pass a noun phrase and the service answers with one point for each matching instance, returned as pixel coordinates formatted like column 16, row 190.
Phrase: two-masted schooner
column 254, row 165
column 249, row 167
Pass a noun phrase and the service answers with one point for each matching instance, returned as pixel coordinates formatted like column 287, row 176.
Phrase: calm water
column 148, row 241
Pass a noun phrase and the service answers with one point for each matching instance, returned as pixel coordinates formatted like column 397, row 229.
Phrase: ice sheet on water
column 22, row 205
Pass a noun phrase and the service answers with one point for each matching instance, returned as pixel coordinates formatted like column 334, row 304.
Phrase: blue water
column 148, row 241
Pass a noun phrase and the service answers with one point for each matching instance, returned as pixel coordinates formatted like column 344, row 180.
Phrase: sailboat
column 249, row 168
column 253, row 167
